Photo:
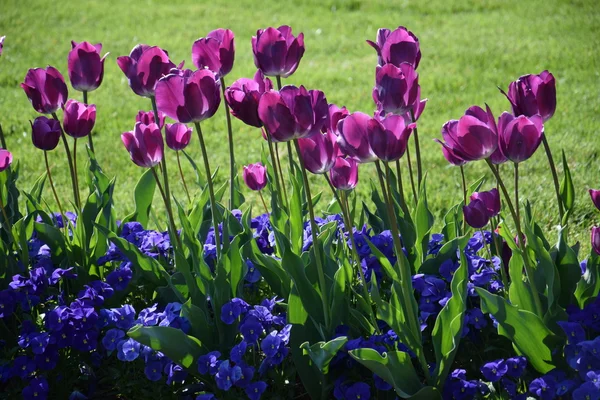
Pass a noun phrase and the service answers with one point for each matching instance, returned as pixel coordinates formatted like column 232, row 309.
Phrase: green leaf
column 423, row 223
column 589, row 284
column 295, row 222
column 201, row 327
column 567, row 189
column 270, row 269
column 143, row 195
column 322, row 353
column 392, row 273
column 446, row 252
column 568, row 270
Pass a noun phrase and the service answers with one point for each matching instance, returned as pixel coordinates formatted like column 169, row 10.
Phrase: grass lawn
column 468, row 47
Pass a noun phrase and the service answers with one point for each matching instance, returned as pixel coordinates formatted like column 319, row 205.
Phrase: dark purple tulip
column 344, row 173
column 45, row 133
column 147, row 118
column 191, row 97
column 497, row 157
column 215, row 52
column 276, row 51
column 255, row 176
column 244, row 95
column 177, row 136
column 293, row 113
column 595, row 195
column 78, row 118
column 46, row 89
column 353, row 137
column 595, row 236
column 449, row 154
column 396, row 88
column 533, row 94
column 491, row 200
column 5, row 159
column 336, row 114
column 519, row 138
column 86, row 68
column 476, row 214
column 419, row 106
column 397, row 47
column 319, row 152
column 2, row 44
column 388, row 137
column 144, row 66
column 144, row 144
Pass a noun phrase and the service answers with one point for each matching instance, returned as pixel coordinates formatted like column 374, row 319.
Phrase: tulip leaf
column 567, row 189
column 423, row 223
column 588, row 286
column 392, row 273
column 375, row 222
column 201, row 327
column 446, row 252
column 322, row 353
column 296, row 225
column 142, row 195
column 270, row 269
column 568, row 270
column 34, row 197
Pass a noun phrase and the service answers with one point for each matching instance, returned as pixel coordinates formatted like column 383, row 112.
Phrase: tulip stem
column 417, row 149
column 381, row 177
column 561, row 210
column 211, row 192
column 169, row 210
column 90, row 141
column 281, row 175
column 275, row 169
column 70, row 161
column 263, row 201
column 335, row 193
column 62, row 213
column 464, row 190
column 401, row 190
column 503, row 274
column 2, row 139
column 518, row 209
column 75, row 166
column 7, row 225
column 410, row 171
column 314, row 232
column 231, row 150
column 187, row 192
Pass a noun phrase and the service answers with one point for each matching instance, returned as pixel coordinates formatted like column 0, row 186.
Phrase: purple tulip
column 595, row 236
column 177, row 136
column 2, row 44
column 255, row 176
column 276, row 51
column 388, row 137
column 189, row 97
column 449, row 154
column 595, row 195
column 78, row 118
column 419, row 106
column 490, row 199
column 476, row 214
column 319, row 152
column 144, row 66
column 45, row 133
column 533, row 94
column 396, row 88
column 46, row 89
column 5, row 159
column 244, row 95
column 293, row 113
column 215, row 52
column 497, row 157
column 344, row 173
column 519, row 137
column 147, row 118
column 397, row 47
column 353, row 137
column 86, row 68
column 144, row 144
column 336, row 114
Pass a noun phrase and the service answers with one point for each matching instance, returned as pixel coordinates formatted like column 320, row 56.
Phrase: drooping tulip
column 144, row 66
column 353, row 137
column 293, row 112
column 344, row 173
column 397, row 47
column 144, row 144
column 519, row 137
column 491, row 200
column 533, row 94
column 476, row 214
column 177, row 136
column 255, row 176
column 595, row 195
column 215, row 52
column 396, row 88
column 189, row 97
column 45, row 133
column 86, row 68
column 5, row 159
column 595, row 239
column 2, row 44
column 388, row 137
column 244, row 95
column 46, row 89
column 319, row 152
column 147, row 118
column 276, row 51
column 78, row 118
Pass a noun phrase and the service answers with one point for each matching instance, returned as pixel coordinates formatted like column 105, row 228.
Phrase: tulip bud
column 143, row 67
column 353, row 137
column 533, row 94
column 45, row 133
column 595, row 236
column 396, row 88
column 2, row 44
column 397, row 47
column 215, row 52
column 86, row 68
column 595, row 195
column 177, row 136
column 5, row 159
column 144, row 144
column 255, row 176
column 46, row 89
column 318, row 152
column 276, row 51
column 78, row 118
column 244, row 95
column 389, row 136
column 147, row 118
column 490, row 199
column 476, row 214
column 344, row 173
column 519, row 138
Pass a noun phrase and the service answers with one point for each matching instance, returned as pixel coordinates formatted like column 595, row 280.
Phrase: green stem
column 333, row 190
column 70, row 161
column 503, row 274
column 464, row 190
column 263, row 201
column 187, row 192
column 2, row 139
column 169, row 211
column 90, row 141
column 54, row 189
column 7, row 224
column 381, row 175
column 410, row 171
column 274, row 164
column 517, row 207
column 231, row 150
column 561, row 210
column 75, row 166
column 285, row 196
column 417, row 150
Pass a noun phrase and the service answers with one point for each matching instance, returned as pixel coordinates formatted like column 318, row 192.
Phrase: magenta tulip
column 476, row 214
column 144, row 144
column 244, row 95
column 595, row 239
column 533, row 94
column 86, row 68
column 147, row 118
column 215, row 52
column 491, row 200
column 189, row 97
column 397, row 47
column 276, row 51
column 177, row 136
column 519, row 138
column 293, row 113
column 2, row 44
column 45, row 133
column 595, row 195
column 388, row 137
column 419, row 105
column 497, row 157
column 46, row 89
column 344, row 173
column 336, row 114
column 5, row 159
column 396, row 88
column 318, row 152
column 144, row 66
column 255, row 176
column 353, row 137
column 78, row 118
column 449, row 154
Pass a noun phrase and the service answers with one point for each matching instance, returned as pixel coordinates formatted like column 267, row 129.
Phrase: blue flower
column 573, row 330
column 358, row 391
column 7, row 303
column 175, row 373
column 112, row 338
column 246, row 376
column 85, row 340
column 124, row 316
column 270, row 344
column 564, row 387
column 120, row 277
column 251, row 329
column 37, row 389
column 252, row 275
column 153, row 370
column 56, row 319
column 255, row 390
column 209, row 363
column 232, row 310
column 543, row 387
column 206, row 396
column 39, row 342
column 227, row 375
column 128, row 350
column 587, row 391
column 516, row 366
column 476, row 318
column 22, row 367
column 494, row 370
column 238, row 351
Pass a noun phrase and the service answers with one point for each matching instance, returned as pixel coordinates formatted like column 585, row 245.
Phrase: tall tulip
column 244, row 95
column 78, row 118
column 144, row 66
column 396, row 88
column 46, row 89
column 144, row 144
column 353, row 137
column 397, row 47
column 276, row 51
column 318, row 152
column 344, row 173
column 45, row 133
column 519, row 137
column 533, row 94
column 86, row 68
column 388, row 137
column 215, row 52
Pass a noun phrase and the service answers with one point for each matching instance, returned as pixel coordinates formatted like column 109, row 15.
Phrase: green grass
column 469, row 47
